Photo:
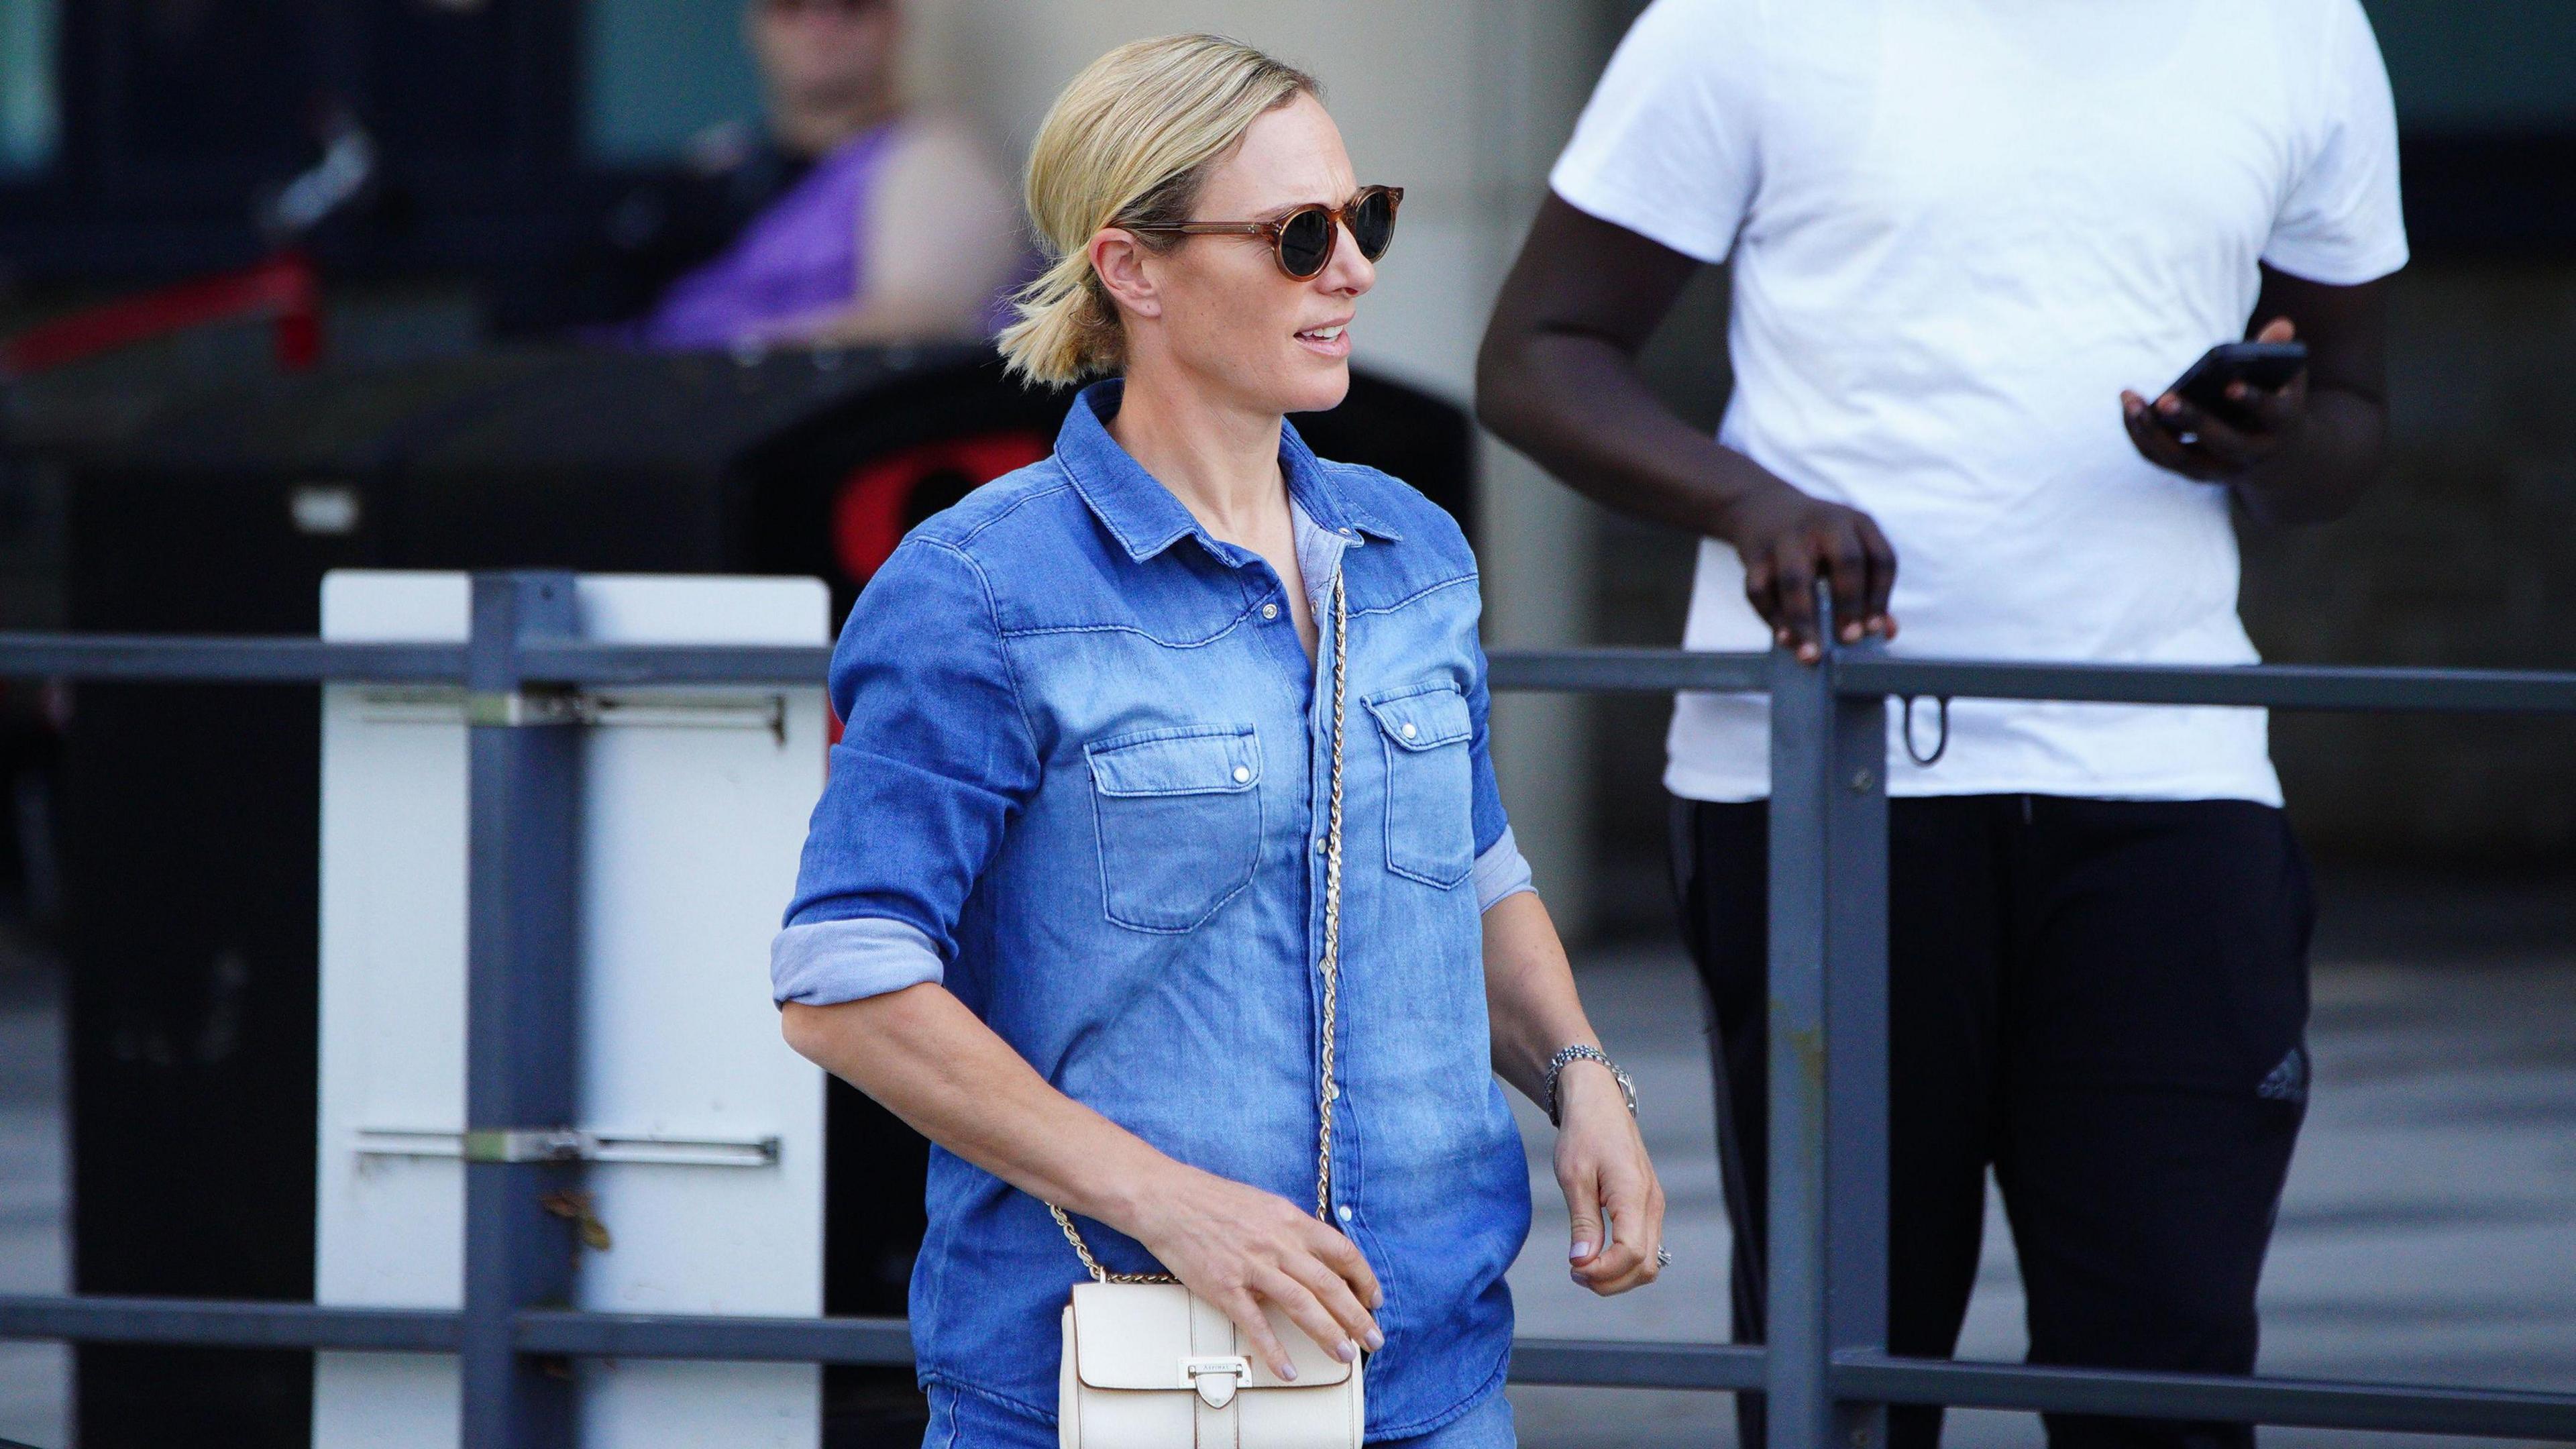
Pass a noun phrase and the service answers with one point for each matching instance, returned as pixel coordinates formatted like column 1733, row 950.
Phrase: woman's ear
column 1119, row 260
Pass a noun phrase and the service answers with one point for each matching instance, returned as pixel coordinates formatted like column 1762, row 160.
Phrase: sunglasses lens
column 1373, row 227
column 1306, row 241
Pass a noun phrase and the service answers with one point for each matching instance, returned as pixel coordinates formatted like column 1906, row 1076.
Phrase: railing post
column 521, row 939
column 1826, row 1264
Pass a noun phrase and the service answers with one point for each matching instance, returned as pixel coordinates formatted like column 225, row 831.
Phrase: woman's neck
column 1221, row 462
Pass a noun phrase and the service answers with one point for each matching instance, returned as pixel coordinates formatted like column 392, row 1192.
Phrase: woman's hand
column 942, row 1070
column 1601, row 1163
column 1239, row 1247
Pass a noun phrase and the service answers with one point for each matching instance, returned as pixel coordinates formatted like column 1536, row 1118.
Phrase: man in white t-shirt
column 1971, row 243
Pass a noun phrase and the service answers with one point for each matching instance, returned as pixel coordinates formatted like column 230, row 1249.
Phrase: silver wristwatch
column 1580, row 1053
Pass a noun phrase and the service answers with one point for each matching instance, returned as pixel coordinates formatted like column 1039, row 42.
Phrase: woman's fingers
column 1637, row 1223
column 1308, row 1312
column 1346, row 1260
column 1239, row 1248
column 1334, row 1292
column 1614, row 1269
column 1244, row 1307
column 1583, row 1207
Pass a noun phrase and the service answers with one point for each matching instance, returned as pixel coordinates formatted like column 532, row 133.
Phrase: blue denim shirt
column 1083, row 783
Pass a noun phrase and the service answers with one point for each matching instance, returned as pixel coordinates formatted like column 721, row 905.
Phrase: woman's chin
column 1319, row 386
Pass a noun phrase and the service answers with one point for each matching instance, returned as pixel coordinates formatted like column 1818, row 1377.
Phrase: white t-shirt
column 1958, row 229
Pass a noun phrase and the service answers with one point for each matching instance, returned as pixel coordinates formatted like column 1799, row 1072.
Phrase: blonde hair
column 1129, row 141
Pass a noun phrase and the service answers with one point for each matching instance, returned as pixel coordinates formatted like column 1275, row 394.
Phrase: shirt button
column 1332, row 1091
column 1322, row 844
column 1242, row 774
column 1346, row 1212
column 1270, row 611
column 1407, row 730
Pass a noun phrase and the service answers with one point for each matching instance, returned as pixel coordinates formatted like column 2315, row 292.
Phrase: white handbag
column 1150, row 1365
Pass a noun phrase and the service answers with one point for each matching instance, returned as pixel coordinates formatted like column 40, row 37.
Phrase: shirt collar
column 1143, row 515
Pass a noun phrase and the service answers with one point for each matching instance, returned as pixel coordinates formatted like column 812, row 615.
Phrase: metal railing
column 1825, row 1368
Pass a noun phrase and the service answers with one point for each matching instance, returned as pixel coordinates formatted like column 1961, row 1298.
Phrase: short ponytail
column 1129, row 141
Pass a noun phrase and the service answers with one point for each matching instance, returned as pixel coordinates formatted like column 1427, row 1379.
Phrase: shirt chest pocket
column 1179, row 817
column 1430, row 821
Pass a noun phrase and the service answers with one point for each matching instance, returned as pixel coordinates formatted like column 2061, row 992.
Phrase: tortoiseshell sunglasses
column 1304, row 239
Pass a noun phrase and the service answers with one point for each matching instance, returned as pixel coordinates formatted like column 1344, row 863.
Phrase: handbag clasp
column 1216, row 1378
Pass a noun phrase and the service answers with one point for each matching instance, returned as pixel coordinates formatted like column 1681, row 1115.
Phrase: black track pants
column 2103, row 1000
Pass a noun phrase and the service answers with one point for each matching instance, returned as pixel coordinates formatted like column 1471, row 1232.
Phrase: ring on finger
column 2188, row 440
column 1663, row 1256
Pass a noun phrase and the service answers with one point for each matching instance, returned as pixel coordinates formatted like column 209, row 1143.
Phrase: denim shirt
column 1084, row 783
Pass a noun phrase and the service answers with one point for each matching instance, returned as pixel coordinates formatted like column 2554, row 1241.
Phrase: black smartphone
column 2267, row 366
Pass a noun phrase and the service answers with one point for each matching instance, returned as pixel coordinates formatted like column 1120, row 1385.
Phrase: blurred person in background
column 887, row 224
column 1969, row 241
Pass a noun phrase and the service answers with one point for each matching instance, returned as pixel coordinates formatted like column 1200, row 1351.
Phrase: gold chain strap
column 1332, row 963
column 1331, row 970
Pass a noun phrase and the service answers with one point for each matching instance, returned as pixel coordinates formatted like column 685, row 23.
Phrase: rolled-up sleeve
column 1500, row 870
column 935, row 759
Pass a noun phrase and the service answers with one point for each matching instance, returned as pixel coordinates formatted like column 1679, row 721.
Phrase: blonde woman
column 1098, row 898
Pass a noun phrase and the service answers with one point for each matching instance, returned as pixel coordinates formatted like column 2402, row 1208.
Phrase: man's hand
column 2179, row 437
column 1601, row 1163
column 1788, row 541
column 1558, row 379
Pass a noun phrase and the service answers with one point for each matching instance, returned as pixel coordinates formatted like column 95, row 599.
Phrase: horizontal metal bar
column 91, row 1319
column 1592, row 1362
column 1611, row 1364
column 1566, row 670
column 567, row 1144
column 709, row 1336
column 803, row 665
column 2309, row 1403
column 232, row 659
column 2277, row 686
column 1652, row 670
column 299, row 660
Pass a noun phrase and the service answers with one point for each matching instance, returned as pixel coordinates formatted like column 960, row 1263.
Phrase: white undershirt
column 1958, row 229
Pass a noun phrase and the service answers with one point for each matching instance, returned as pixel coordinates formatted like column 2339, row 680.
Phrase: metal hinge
column 567, row 1144
column 517, row 707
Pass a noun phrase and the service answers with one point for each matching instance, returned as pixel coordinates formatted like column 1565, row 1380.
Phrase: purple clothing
column 798, row 258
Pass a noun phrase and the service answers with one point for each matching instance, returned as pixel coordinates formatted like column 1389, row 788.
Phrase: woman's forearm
column 936, row 1065
column 1530, row 998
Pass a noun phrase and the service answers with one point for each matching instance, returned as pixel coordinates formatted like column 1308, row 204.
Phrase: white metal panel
column 692, row 820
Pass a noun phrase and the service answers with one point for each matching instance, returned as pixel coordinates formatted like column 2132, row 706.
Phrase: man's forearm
column 1580, row 407
column 2321, row 475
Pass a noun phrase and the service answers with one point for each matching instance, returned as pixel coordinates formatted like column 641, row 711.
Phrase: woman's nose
column 1350, row 272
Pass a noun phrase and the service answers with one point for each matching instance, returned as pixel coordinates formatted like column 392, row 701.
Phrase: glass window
column 660, row 72
column 30, row 106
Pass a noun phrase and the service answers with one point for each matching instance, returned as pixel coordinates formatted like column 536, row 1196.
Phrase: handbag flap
column 1142, row 1335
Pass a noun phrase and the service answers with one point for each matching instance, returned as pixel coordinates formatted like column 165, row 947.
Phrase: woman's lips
column 1333, row 341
